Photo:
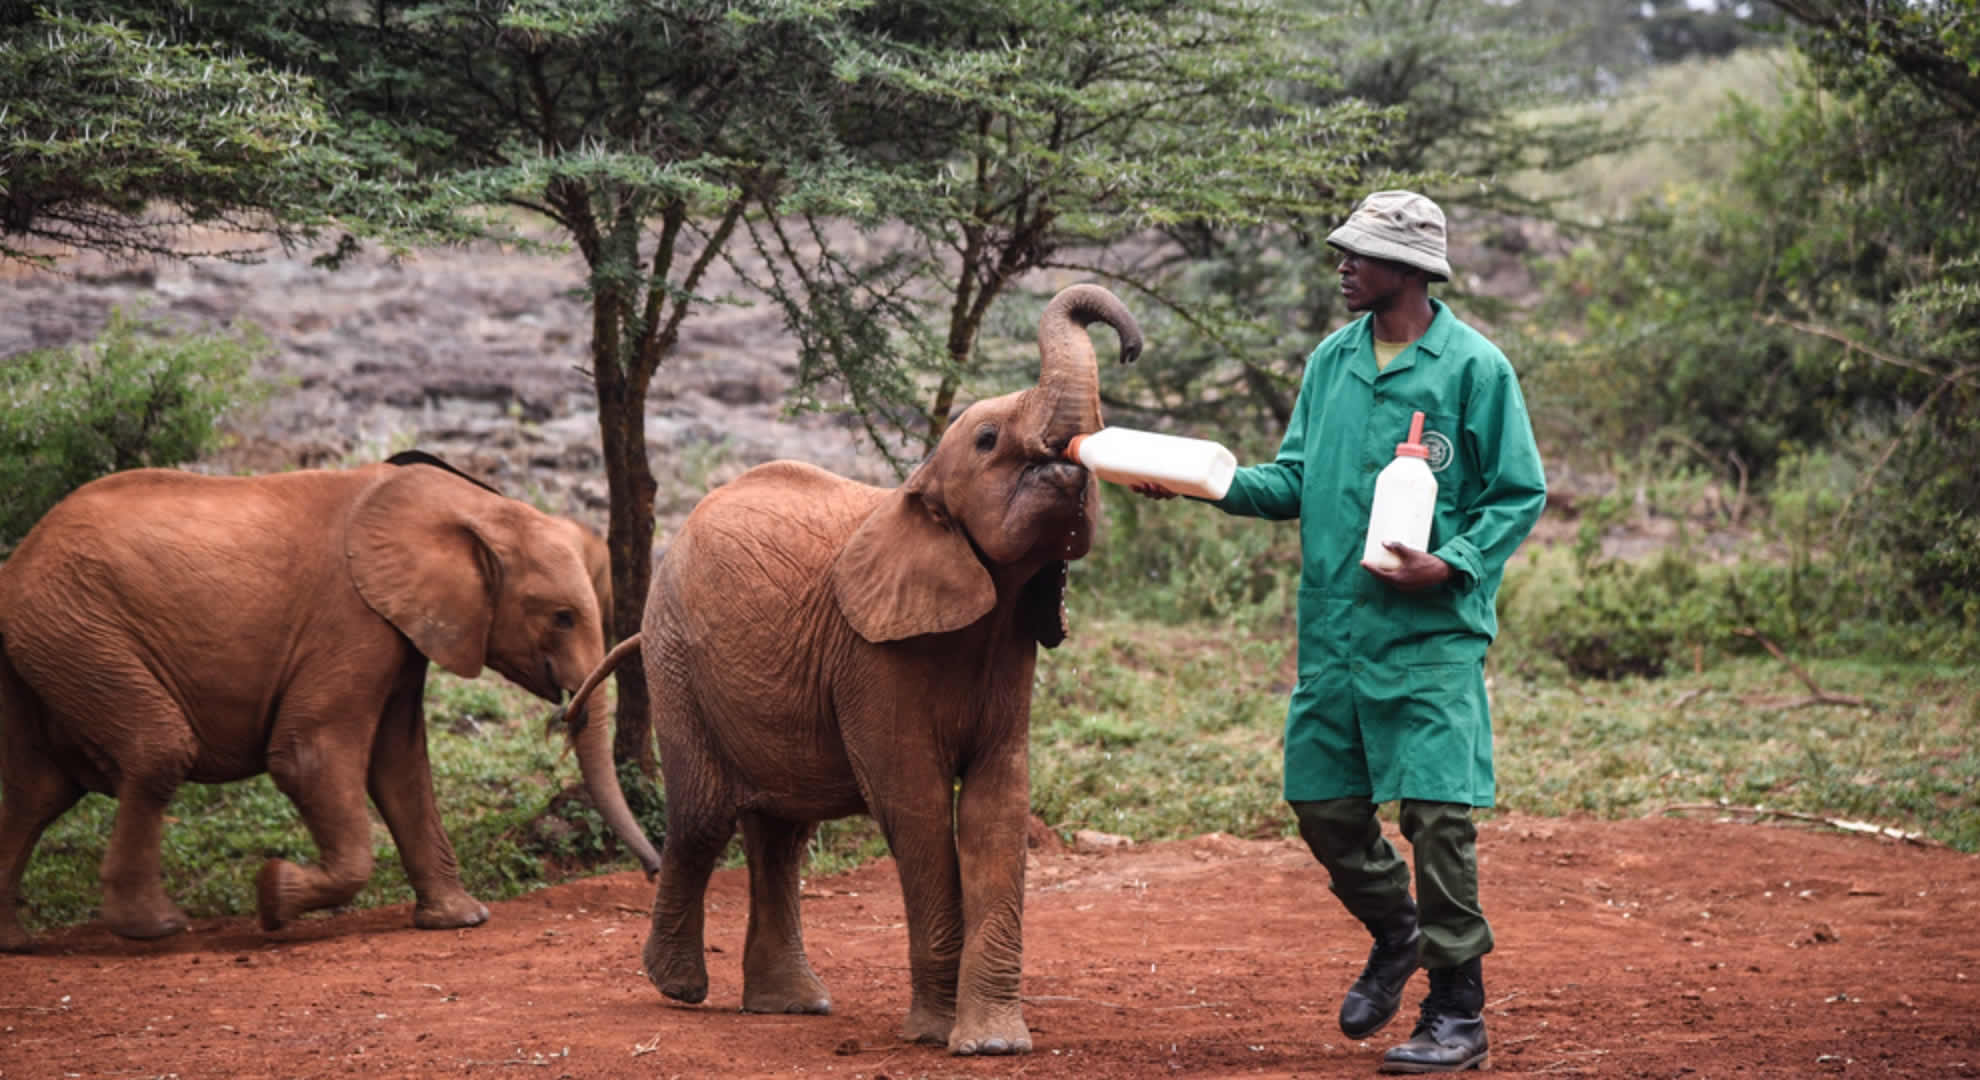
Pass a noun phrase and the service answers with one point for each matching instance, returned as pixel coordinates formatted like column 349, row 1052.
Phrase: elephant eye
column 565, row 619
column 986, row 438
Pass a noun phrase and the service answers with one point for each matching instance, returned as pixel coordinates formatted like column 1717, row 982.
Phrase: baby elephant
column 816, row 647
column 158, row 627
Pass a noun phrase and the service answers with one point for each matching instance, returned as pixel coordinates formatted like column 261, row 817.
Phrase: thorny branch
column 1818, row 696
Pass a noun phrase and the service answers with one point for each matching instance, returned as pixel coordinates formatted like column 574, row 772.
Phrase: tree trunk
column 629, row 341
column 631, row 487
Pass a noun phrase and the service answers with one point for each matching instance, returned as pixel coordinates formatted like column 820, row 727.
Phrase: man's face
column 1370, row 284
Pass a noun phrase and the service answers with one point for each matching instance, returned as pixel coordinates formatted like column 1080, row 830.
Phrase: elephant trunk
column 1067, row 400
column 592, row 738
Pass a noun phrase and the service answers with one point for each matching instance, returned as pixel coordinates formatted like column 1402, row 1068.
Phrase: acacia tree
column 1063, row 138
column 112, row 138
column 642, row 130
column 1934, row 47
column 1194, row 154
column 1452, row 80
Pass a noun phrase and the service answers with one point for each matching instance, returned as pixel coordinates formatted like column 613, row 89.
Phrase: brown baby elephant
column 159, row 627
column 816, row 647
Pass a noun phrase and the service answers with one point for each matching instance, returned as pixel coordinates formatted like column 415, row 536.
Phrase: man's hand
column 1151, row 490
column 1419, row 570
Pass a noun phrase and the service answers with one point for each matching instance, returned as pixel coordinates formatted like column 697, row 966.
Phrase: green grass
column 1165, row 732
column 1744, row 733
column 1159, row 730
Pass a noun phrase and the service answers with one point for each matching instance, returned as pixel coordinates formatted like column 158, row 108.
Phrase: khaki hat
column 1400, row 226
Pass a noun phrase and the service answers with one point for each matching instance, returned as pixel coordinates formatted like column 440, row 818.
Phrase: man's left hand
column 1419, row 570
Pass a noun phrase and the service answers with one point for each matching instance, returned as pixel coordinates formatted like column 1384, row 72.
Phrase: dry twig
column 538, row 1061
column 1818, row 696
column 1689, row 696
column 1759, row 812
column 1032, row 999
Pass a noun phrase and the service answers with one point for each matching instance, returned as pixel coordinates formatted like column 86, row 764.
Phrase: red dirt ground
column 1653, row 948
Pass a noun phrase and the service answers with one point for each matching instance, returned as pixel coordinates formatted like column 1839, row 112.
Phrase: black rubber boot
column 1374, row 998
column 1450, row 1033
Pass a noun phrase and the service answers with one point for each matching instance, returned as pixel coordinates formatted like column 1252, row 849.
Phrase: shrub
column 1174, row 562
column 138, row 395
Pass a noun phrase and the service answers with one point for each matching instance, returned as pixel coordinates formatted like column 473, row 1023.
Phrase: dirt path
column 1668, row 948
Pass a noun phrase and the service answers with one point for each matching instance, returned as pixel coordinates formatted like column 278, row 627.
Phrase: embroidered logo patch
column 1441, row 451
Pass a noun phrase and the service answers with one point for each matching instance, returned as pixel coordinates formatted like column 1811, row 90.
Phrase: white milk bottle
column 1405, row 501
column 1183, row 465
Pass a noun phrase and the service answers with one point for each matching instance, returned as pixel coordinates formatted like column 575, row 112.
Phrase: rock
column 1093, row 840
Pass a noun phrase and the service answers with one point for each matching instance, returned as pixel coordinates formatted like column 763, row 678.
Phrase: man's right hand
column 1152, row 490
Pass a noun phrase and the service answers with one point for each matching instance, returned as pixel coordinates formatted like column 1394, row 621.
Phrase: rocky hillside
column 476, row 354
column 479, row 355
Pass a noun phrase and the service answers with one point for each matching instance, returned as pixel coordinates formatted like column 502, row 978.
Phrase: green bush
column 1882, row 560
column 1617, row 622
column 1785, row 573
column 1818, row 309
column 138, row 395
column 1177, row 561
column 1922, row 513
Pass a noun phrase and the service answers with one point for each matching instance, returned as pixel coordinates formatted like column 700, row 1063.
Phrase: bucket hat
column 1400, row 226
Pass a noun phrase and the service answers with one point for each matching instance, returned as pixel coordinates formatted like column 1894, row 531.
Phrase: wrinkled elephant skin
column 159, row 627
column 816, row 647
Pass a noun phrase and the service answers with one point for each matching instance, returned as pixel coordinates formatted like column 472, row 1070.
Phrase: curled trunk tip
column 1068, row 394
column 1080, row 306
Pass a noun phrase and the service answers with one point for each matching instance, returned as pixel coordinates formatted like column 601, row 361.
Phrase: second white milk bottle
column 1405, row 501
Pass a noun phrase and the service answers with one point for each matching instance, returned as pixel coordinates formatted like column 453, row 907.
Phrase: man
column 1391, row 702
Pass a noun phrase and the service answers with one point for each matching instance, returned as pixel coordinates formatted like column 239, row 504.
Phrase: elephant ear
column 908, row 571
column 417, row 560
column 1042, row 605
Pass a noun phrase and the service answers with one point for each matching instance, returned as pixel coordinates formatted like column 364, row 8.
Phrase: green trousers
column 1371, row 879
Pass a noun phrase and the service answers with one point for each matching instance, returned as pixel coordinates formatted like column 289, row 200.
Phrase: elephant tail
column 18, row 715
column 572, row 712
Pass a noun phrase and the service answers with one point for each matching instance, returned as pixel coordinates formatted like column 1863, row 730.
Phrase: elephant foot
column 800, row 993
column 277, row 889
column 14, row 938
column 144, row 922
column 449, row 913
column 1010, row 1036
column 684, row 979
column 929, row 1027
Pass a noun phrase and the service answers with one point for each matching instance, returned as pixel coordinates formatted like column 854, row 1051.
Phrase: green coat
column 1391, row 700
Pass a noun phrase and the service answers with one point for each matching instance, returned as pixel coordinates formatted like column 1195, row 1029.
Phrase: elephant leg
column 990, row 843
column 324, row 775
column 154, row 749
column 697, row 831
column 33, row 793
column 135, row 904
column 777, row 978
column 400, row 781
column 138, row 734
column 916, row 820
